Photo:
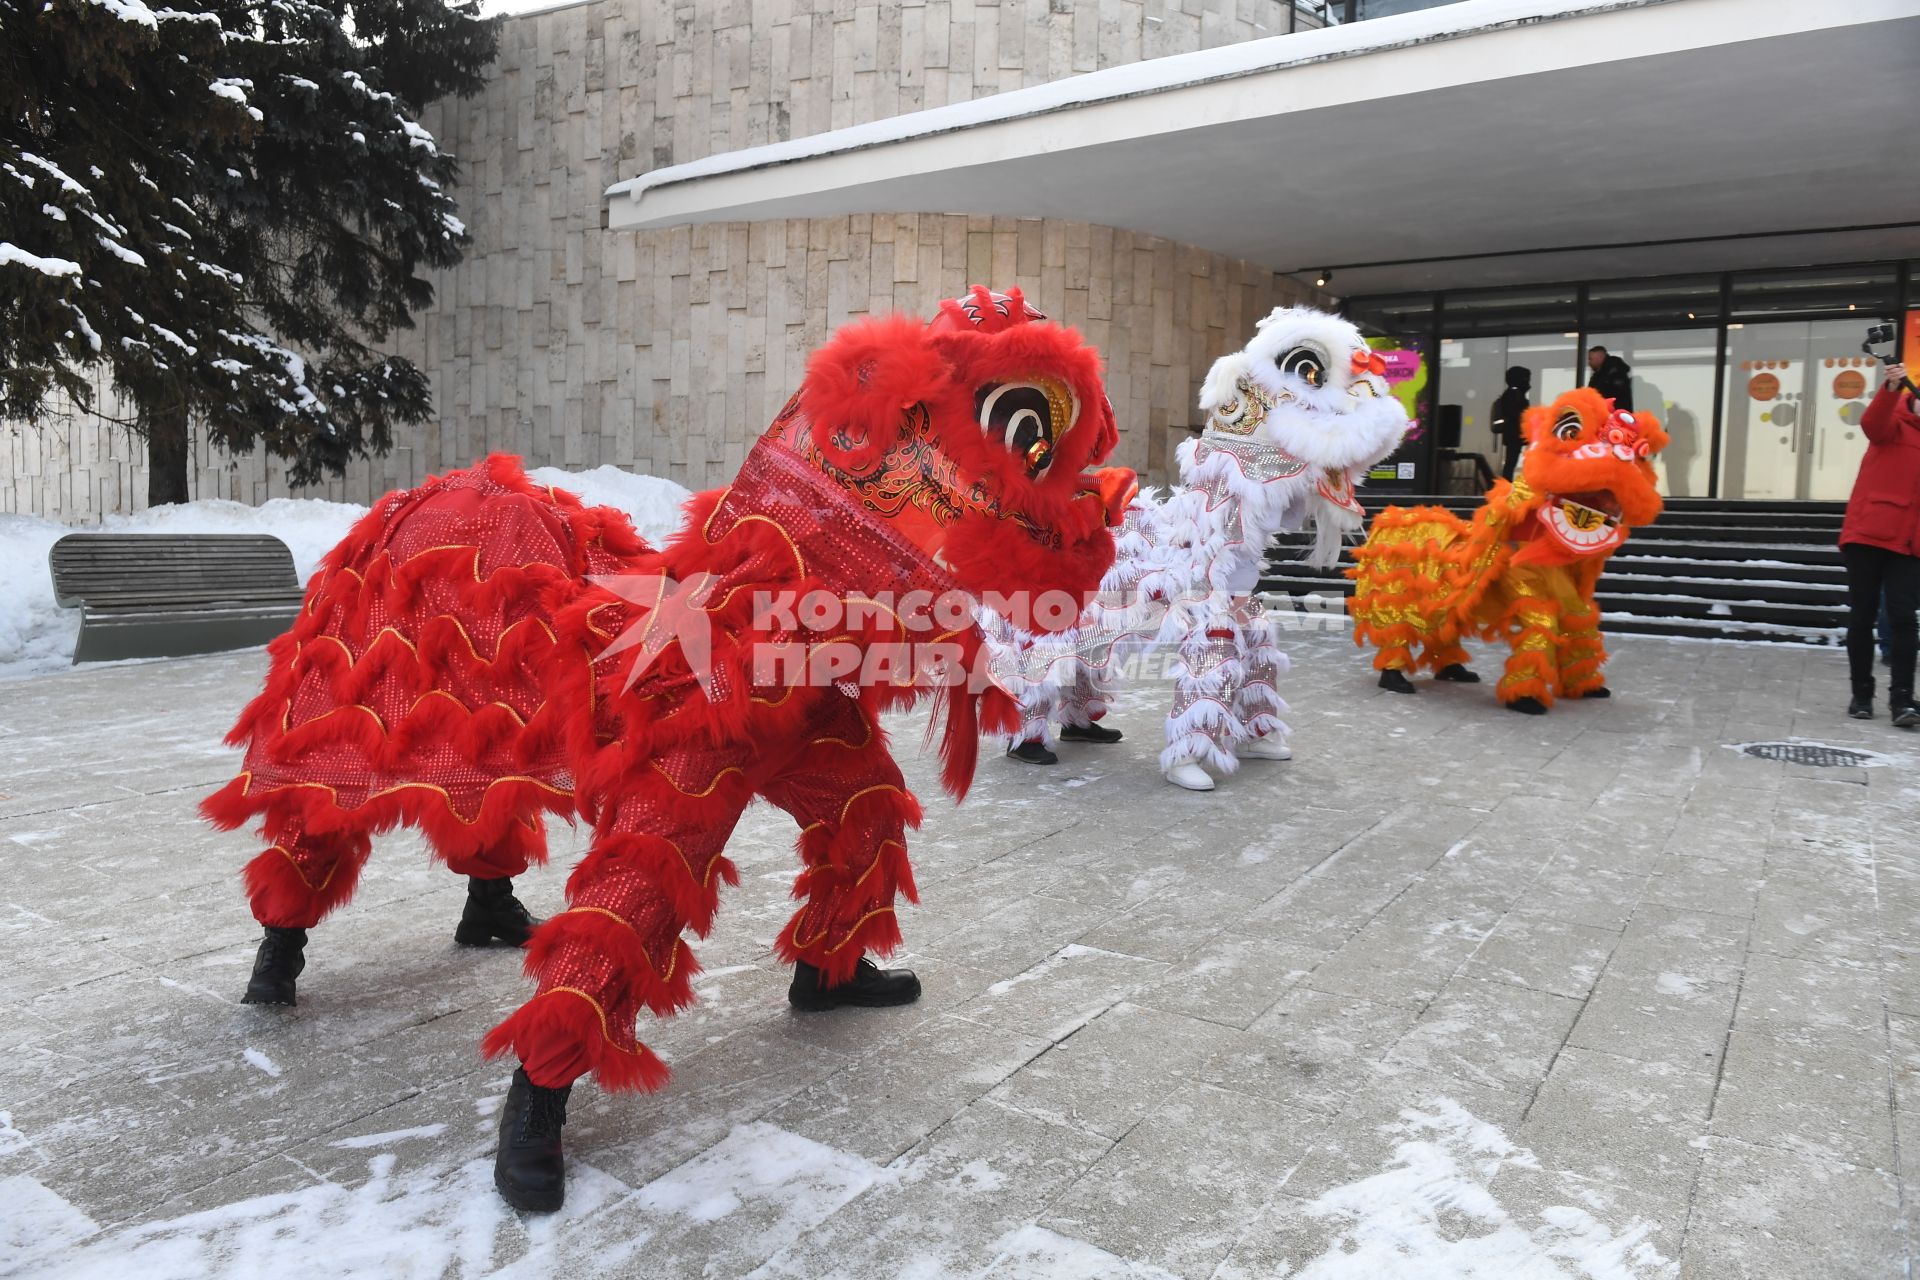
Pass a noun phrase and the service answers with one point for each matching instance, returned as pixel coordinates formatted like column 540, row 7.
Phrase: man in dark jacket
column 1508, row 410
column 1611, row 377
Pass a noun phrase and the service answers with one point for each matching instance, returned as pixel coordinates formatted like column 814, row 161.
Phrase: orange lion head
column 1589, row 467
column 972, row 435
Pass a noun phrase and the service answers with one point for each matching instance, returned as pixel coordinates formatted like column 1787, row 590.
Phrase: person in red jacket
column 1880, row 543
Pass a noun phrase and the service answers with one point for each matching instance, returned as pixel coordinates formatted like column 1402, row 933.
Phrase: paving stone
column 1694, row 946
column 1621, row 1121
column 954, row 1197
column 1703, row 884
column 1761, row 1212
column 1657, row 1016
column 1023, row 934
column 1110, row 1074
column 1179, row 1188
column 1815, row 917
column 1391, row 1106
column 1232, row 979
column 1828, row 1101
column 1814, row 1003
column 1543, row 954
column 1310, row 1050
column 1490, row 1033
column 1572, row 890
column 908, row 1086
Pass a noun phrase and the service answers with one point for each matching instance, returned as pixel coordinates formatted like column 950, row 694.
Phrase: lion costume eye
column 1027, row 418
column 1309, row 363
column 1567, row 426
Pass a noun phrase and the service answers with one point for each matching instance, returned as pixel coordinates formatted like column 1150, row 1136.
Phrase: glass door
column 1673, row 372
column 1795, row 391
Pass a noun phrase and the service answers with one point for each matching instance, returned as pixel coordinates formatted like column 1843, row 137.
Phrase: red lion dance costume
column 1524, row 570
column 482, row 651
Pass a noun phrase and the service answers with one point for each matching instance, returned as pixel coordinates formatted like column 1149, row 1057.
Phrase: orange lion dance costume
column 1524, row 569
column 482, row 651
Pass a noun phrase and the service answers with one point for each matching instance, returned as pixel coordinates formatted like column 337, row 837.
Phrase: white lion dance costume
column 1293, row 422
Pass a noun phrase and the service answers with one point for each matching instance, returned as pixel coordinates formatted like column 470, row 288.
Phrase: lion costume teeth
column 1523, row 570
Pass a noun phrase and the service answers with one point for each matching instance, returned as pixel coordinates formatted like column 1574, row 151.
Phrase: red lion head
column 971, row 435
column 1589, row 467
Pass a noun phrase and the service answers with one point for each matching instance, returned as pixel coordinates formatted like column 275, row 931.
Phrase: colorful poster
column 1407, row 378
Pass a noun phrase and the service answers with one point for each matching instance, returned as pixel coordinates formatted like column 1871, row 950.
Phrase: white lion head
column 1309, row 384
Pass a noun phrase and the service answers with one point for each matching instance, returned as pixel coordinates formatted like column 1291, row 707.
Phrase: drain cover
column 1817, row 754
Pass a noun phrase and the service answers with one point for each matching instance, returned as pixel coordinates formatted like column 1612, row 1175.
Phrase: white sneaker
column 1191, row 776
column 1271, row 747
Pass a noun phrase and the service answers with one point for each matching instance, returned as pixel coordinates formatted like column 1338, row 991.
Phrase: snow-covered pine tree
column 225, row 207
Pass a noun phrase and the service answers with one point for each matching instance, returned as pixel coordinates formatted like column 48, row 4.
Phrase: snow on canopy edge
column 1137, row 79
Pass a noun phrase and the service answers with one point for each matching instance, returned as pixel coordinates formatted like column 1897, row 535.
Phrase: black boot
column 871, row 987
column 531, row 1167
column 281, row 957
column 1861, row 708
column 1589, row 695
column 1088, row 733
column 1901, row 707
column 493, row 912
column 1033, row 751
column 1457, row 673
column 1528, row 706
column 1394, row 680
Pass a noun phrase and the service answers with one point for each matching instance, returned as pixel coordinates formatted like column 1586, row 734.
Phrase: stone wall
column 667, row 351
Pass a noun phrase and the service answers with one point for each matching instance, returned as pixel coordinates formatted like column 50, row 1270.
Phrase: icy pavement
column 1457, row 993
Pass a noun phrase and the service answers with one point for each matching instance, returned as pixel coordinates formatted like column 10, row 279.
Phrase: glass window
column 1474, row 373
column 1671, row 374
column 1795, row 393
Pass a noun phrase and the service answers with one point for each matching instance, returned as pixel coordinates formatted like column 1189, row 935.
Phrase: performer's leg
column 1582, row 652
column 291, row 887
column 1532, row 627
column 1205, row 676
column 654, row 870
column 1032, row 742
column 1257, row 705
column 854, row 809
column 1083, row 706
column 492, row 912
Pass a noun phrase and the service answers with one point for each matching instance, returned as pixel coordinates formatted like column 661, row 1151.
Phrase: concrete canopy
column 1481, row 143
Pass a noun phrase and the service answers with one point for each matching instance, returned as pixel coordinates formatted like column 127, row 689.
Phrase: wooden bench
column 153, row 595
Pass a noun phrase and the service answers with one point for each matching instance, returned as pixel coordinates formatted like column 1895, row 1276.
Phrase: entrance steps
column 1706, row 569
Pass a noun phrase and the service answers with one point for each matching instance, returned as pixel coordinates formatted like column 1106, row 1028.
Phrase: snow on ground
column 1433, row 1216
column 37, row 635
column 758, row 1188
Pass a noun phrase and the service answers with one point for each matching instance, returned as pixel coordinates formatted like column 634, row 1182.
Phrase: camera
column 1880, row 335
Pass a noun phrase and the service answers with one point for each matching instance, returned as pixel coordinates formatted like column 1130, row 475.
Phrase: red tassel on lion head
column 971, row 435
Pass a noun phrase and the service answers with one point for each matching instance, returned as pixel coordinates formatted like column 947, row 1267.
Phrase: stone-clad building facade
column 668, row 351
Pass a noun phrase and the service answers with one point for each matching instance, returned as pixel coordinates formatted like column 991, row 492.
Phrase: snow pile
column 1433, row 1216
column 653, row 504
column 37, row 636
